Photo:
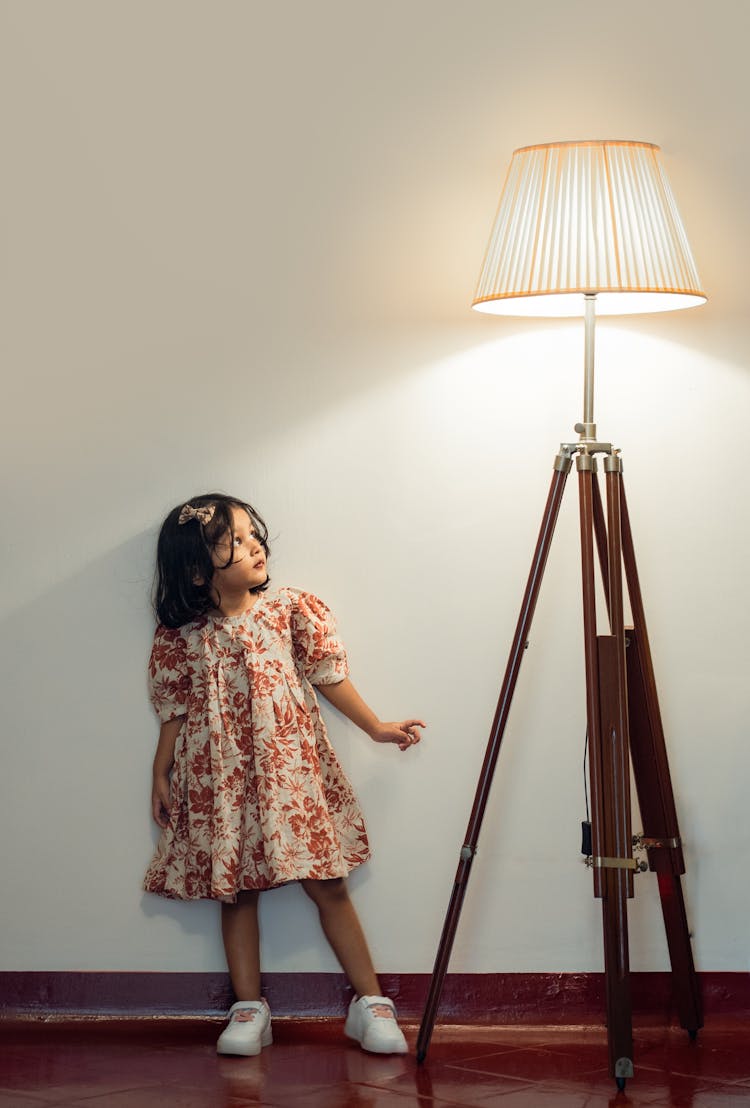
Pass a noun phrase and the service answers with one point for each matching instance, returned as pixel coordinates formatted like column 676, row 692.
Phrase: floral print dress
column 258, row 797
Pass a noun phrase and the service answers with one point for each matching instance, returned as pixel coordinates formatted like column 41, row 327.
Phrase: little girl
column 247, row 789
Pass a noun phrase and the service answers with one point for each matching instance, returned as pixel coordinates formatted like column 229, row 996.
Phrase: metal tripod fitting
column 564, row 459
column 623, row 1068
column 644, row 842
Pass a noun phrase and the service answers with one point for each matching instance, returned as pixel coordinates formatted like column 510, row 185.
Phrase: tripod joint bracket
column 585, row 451
column 646, row 842
column 612, row 863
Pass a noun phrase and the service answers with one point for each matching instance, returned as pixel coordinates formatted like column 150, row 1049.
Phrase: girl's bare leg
column 344, row 932
column 239, row 930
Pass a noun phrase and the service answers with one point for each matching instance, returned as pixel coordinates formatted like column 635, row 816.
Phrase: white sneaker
column 372, row 1022
column 248, row 1030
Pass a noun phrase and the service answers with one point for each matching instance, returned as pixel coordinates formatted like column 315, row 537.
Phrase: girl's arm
column 348, row 701
column 163, row 762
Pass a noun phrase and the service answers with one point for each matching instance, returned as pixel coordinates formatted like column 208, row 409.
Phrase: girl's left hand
column 403, row 734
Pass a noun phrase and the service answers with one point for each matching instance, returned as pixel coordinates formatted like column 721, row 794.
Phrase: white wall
column 241, row 243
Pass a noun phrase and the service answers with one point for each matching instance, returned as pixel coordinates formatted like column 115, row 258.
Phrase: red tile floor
column 166, row 1063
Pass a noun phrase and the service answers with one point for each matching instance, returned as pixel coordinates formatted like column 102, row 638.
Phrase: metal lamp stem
column 588, row 359
column 587, row 429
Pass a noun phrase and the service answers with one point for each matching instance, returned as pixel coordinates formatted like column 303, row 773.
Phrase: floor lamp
column 591, row 228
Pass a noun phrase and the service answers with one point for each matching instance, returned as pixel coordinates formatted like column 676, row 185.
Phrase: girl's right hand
column 160, row 800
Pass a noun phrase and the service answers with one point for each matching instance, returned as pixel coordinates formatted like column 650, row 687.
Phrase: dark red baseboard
column 525, row 998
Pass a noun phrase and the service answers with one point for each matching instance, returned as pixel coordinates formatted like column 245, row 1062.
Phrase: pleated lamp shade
column 587, row 217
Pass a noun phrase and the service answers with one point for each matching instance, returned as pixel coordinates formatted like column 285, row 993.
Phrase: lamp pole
column 587, row 429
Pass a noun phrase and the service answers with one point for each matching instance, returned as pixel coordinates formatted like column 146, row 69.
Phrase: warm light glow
column 587, row 217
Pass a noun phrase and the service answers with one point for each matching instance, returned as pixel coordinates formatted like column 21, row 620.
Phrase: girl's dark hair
column 183, row 557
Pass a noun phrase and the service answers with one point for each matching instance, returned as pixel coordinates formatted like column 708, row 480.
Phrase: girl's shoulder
column 286, row 594
column 302, row 610
column 174, row 635
column 299, row 598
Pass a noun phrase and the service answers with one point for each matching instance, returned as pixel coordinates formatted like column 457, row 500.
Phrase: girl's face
column 245, row 555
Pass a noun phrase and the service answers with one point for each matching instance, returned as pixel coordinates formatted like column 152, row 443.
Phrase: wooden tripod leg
column 588, row 494
column 468, row 850
column 600, row 530
column 615, row 865
column 656, row 798
column 609, row 768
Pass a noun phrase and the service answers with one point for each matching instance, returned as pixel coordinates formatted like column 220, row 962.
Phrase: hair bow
column 203, row 515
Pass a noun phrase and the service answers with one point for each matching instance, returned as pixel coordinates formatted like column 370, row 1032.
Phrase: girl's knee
column 326, row 892
column 247, row 898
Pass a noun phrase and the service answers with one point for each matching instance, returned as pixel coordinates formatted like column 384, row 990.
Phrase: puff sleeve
column 318, row 651
column 168, row 677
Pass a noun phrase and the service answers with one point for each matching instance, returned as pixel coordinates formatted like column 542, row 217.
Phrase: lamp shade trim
column 582, row 143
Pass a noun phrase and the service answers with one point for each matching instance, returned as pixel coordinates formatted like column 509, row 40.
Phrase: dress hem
column 231, row 897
